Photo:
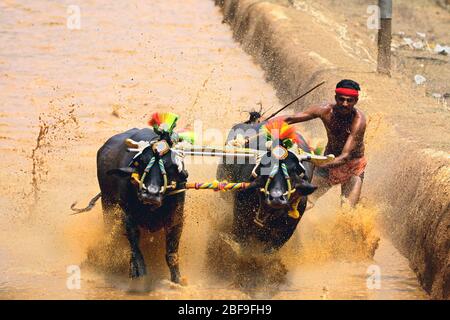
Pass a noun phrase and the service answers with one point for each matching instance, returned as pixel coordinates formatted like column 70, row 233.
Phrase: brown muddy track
column 66, row 91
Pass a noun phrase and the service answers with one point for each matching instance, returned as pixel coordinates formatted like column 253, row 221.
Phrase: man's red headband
column 347, row 92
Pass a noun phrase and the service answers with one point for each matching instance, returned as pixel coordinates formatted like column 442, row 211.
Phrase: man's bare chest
column 338, row 128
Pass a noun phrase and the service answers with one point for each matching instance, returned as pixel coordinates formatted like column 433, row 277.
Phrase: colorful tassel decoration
column 278, row 129
column 163, row 121
column 185, row 135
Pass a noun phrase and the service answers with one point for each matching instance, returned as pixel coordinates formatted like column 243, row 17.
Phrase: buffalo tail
column 88, row 208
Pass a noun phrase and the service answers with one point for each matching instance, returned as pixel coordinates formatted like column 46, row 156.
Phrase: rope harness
column 214, row 185
column 147, row 170
column 280, row 153
column 273, row 172
column 218, row 185
column 166, row 186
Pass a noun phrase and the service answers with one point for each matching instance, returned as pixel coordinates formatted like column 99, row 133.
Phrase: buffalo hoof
column 176, row 278
column 137, row 268
column 137, row 285
column 184, row 281
column 181, row 283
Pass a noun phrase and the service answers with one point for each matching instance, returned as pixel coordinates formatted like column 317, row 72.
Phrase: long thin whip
column 296, row 99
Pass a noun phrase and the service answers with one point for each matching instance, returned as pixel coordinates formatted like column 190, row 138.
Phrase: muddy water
column 64, row 92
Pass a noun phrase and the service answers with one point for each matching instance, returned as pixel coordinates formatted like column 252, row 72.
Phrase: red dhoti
column 343, row 173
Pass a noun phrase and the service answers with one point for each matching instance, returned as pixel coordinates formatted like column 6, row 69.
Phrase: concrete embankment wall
column 297, row 52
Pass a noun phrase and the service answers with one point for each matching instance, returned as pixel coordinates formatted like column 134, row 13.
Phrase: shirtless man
column 345, row 126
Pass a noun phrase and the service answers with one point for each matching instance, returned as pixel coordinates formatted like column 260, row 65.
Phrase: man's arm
column 308, row 114
column 355, row 139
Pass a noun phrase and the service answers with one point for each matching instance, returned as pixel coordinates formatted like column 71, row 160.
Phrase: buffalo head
column 155, row 171
column 281, row 177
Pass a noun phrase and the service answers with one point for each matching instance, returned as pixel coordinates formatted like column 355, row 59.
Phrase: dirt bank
column 298, row 48
column 418, row 216
column 419, row 27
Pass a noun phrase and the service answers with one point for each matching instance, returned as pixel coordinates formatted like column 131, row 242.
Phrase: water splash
column 346, row 234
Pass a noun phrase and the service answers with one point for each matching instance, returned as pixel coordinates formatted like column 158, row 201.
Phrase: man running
column 345, row 126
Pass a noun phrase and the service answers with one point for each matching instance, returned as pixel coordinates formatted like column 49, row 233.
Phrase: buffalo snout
column 151, row 197
column 276, row 199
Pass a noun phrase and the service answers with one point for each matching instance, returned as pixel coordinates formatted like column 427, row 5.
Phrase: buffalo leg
column 108, row 215
column 173, row 227
column 244, row 212
column 137, row 263
column 173, row 235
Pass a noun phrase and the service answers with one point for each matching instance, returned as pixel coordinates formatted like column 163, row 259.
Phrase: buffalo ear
column 184, row 174
column 300, row 168
column 256, row 182
column 305, row 188
column 121, row 172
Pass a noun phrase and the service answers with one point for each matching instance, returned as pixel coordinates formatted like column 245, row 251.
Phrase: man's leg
column 351, row 190
column 322, row 184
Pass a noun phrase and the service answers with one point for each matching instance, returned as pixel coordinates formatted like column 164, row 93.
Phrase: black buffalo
column 264, row 215
column 146, row 204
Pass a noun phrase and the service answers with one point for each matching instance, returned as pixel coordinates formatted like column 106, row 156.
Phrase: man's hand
column 330, row 159
column 325, row 165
